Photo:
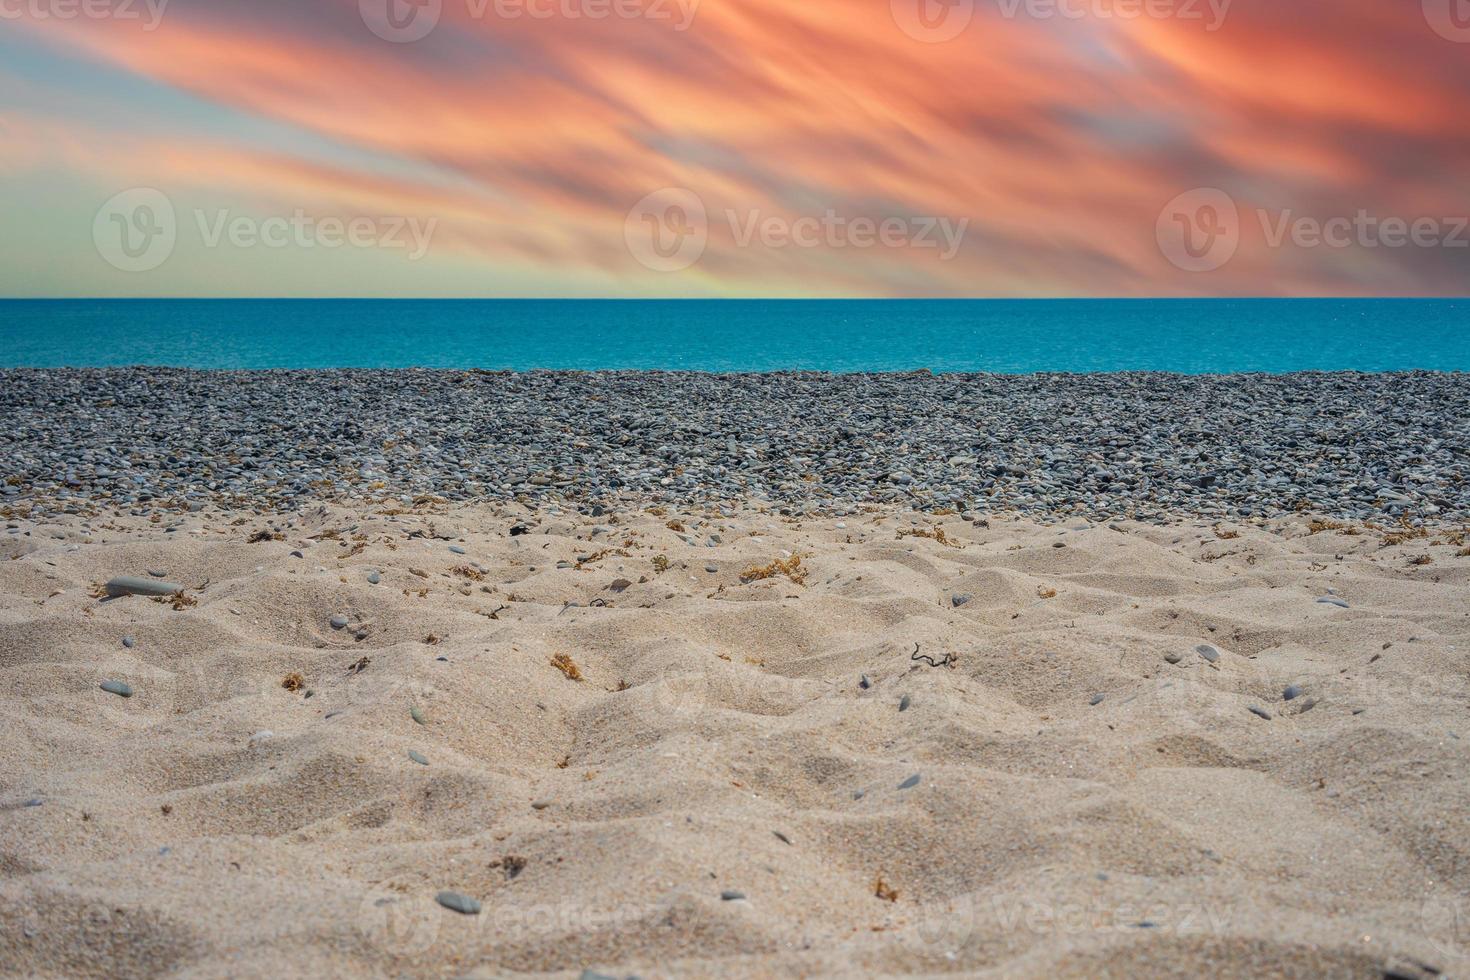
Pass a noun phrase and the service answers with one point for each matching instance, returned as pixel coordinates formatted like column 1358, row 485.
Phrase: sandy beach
column 724, row 741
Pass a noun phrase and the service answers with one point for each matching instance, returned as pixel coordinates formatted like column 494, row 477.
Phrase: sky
column 735, row 148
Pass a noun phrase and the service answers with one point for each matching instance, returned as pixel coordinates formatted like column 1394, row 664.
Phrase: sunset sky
column 833, row 145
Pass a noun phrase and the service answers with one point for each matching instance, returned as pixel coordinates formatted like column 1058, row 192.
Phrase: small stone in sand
column 1333, row 600
column 910, row 783
column 456, row 549
column 864, row 682
column 339, row 622
column 1097, row 699
column 961, row 599
column 374, row 578
column 118, row 688
column 418, row 757
column 417, row 715
column 904, row 703
column 129, row 642
column 127, row 585
column 1208, row 652
column 730, row 895
column 456, row 902
column 540, row 804
column 1259, row 712
column 1172, row 658
column 1291, row 693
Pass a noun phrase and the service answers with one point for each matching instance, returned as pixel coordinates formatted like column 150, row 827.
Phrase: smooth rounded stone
column 157, row 573
column 456, row 549
column 129, row 642
column 130, row 585
column 1291, row 693
column 418, row 757
column 959, row 599
column 417, row 715
column 339, row 622
column 374, row 578
column 456, row 902
column 905, row 702
column 865, row 682
column 34, row 802
column 731, row 895
column 1173, row 658
column 117, row 687
column 712, row 568
column 540, row 804
column 910, row 783
column 1097, row 699
column 1259, row 712
column 1208, row 652
column 1332, row 600
column 298, row 554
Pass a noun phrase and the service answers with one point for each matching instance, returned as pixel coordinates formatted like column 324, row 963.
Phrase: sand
column 719, row 743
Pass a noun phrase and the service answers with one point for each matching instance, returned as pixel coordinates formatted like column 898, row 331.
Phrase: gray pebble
column 374, row 578
column 1291, row 693
column 456, row 549
column 156, row 573
column 1208, row 652
column 904, row 703
column 1097, row 699
column 117, row 687
column 418, row 757
column 960, row 599
column 730, row 895
column 864, row 682
column 127, row 585
column 1333, row 600
column 456, row 902
column 1173, row 658
column 129, row 642
column 417, row 715
column 1259, row 712
column 910, row 783
column 339, row 622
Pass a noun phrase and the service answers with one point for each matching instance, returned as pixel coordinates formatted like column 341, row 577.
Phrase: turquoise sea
column 1007, row 336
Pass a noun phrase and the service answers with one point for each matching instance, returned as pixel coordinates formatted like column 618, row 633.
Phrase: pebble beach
column 466, row 674
column 1146, row 446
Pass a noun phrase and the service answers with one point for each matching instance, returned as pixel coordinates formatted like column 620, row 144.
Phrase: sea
column 1215, row 336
